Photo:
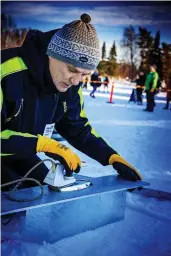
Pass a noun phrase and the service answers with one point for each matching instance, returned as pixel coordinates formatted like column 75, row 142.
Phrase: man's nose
column 76, row 79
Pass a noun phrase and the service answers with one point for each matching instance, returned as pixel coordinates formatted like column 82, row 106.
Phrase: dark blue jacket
column 30, row 101
column 95, row 80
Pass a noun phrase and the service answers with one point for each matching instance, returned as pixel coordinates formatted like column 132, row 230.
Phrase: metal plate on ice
column 160, row 189
column 101, row 185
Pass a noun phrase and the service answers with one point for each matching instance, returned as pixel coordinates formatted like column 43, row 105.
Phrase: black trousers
column 85, row 85
column 139, row 94
column 93, row 91
column 167, row 103
column 13, row 169
column 150, row 100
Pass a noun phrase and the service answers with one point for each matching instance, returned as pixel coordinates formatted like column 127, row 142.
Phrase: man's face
column 152, row 69
column 65, row 75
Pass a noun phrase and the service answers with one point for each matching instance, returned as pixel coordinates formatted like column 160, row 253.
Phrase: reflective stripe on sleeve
column 11, row 66
column 8, row 133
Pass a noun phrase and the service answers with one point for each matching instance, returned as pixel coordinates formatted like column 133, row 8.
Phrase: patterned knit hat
column 76, row 43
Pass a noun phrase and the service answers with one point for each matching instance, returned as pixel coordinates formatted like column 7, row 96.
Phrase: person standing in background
column 106, row 83
column 85, row 82
column 95, row 82
column 150, row 87
column 168, row 95
column 140, row 84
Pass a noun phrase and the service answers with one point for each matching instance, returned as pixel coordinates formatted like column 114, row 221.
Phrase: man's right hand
column 60, row 152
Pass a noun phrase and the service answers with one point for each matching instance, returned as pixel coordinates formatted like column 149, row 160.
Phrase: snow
column 144, row 140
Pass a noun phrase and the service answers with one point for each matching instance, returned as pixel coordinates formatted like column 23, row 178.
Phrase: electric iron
column 58, row 180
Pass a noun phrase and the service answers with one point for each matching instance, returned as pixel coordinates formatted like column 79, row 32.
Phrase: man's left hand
column 124, row 168
column 152, row 90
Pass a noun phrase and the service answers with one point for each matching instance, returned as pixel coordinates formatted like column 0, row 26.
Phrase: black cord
column 12, row 198
column 24, row 178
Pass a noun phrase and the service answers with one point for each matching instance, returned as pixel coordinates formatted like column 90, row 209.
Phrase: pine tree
column 166, row 60
column 112, row 54
column 155, row 54
column 104, row 51
column 107, row 68
column 145, row 44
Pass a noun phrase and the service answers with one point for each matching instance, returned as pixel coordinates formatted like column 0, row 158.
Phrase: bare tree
column 129, row 43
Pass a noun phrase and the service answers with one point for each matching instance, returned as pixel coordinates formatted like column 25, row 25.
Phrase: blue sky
column 109, row 18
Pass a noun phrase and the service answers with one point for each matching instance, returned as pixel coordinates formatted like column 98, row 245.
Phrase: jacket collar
column 33, row 53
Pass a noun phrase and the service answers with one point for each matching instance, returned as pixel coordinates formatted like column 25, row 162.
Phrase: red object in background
column 111, row 93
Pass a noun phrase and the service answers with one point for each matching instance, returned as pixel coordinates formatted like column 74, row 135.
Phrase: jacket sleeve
column 17, row 144
column 77, row 130
column 13, row 143
column 155, row 80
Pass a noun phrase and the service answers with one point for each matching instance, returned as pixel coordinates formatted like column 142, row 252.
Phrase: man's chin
column 61, row 88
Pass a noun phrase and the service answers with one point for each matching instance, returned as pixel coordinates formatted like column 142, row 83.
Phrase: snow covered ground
column 143, row 139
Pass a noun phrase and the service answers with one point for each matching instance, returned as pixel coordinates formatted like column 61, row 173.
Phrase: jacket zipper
column 56, row 96
column 19, row 110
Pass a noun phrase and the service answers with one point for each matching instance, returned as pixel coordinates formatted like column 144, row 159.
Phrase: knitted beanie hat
column 76, row 43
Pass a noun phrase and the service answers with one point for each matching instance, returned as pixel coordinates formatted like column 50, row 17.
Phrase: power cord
column 24, row 178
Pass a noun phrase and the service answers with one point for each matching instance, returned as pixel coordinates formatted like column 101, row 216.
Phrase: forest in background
column 141, row 49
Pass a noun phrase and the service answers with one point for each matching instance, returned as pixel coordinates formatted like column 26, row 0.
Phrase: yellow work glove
column 60, row 152
column 124, row 168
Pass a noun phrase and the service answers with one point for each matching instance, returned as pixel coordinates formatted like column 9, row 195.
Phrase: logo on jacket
column 65, row 106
